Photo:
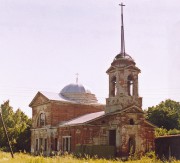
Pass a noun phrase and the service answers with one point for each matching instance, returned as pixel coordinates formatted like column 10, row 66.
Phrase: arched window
column 114, row 87
column 131, row 122
column 41, row 120
column 130, row 85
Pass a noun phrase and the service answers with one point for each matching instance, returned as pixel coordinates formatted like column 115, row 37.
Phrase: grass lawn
column 26, row 158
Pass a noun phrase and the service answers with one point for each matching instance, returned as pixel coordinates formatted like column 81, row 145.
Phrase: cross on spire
column 77, row 78
column 122, row 32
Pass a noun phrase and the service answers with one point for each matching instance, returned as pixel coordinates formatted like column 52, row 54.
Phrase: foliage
column 25, row 158
column 163, row 132
column 166, row 115
column 18, row 127
column 173, row 132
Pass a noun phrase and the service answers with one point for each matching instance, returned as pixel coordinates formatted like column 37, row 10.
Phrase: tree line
column 166, row 116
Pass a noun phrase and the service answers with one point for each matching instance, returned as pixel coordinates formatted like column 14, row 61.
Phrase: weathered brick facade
column 98, row 132
column 60, row 124
column 73, row 117
column 44, row 134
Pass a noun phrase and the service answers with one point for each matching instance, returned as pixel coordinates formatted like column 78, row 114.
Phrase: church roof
column 47, row 96
column 73, row 93
column 82, row 98
column 53, row 96
column 83, row 119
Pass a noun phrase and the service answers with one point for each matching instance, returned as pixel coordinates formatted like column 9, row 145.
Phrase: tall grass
column 26, row 158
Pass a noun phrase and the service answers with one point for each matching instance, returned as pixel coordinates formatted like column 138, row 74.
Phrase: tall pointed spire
column 122, row 32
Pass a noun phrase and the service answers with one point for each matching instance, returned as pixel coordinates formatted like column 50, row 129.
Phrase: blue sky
column 44, row 43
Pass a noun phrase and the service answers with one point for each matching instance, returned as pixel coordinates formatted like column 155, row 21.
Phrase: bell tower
column 123, row 79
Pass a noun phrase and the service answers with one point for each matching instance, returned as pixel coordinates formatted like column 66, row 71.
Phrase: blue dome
column 75, row 88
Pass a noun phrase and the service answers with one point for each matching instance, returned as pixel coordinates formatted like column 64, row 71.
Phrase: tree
column 18, row 127
column 166, row 114
column 7, row 113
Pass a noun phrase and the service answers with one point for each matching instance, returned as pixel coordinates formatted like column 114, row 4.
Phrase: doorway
column 112, row 137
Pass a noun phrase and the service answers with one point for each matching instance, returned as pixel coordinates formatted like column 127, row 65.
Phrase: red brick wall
column 142, row 132
column 85, row 135
column 57, row 112
column 66, row 111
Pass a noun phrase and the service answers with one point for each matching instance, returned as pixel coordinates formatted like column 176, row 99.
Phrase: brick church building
column 62, row 121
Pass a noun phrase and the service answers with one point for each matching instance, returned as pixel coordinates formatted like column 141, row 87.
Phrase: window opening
column 67, row 143
column 41, row 120
column 52, row 144
column 131, row 122
column 112, row 137
column 103, row 121
column 114, row 86
column 41, row 144
column 130, row 85
column 45, row 144
column 56, row 140
column 36, row 144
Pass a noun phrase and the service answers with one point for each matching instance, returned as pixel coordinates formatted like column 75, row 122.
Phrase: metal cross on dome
column 77, row 78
